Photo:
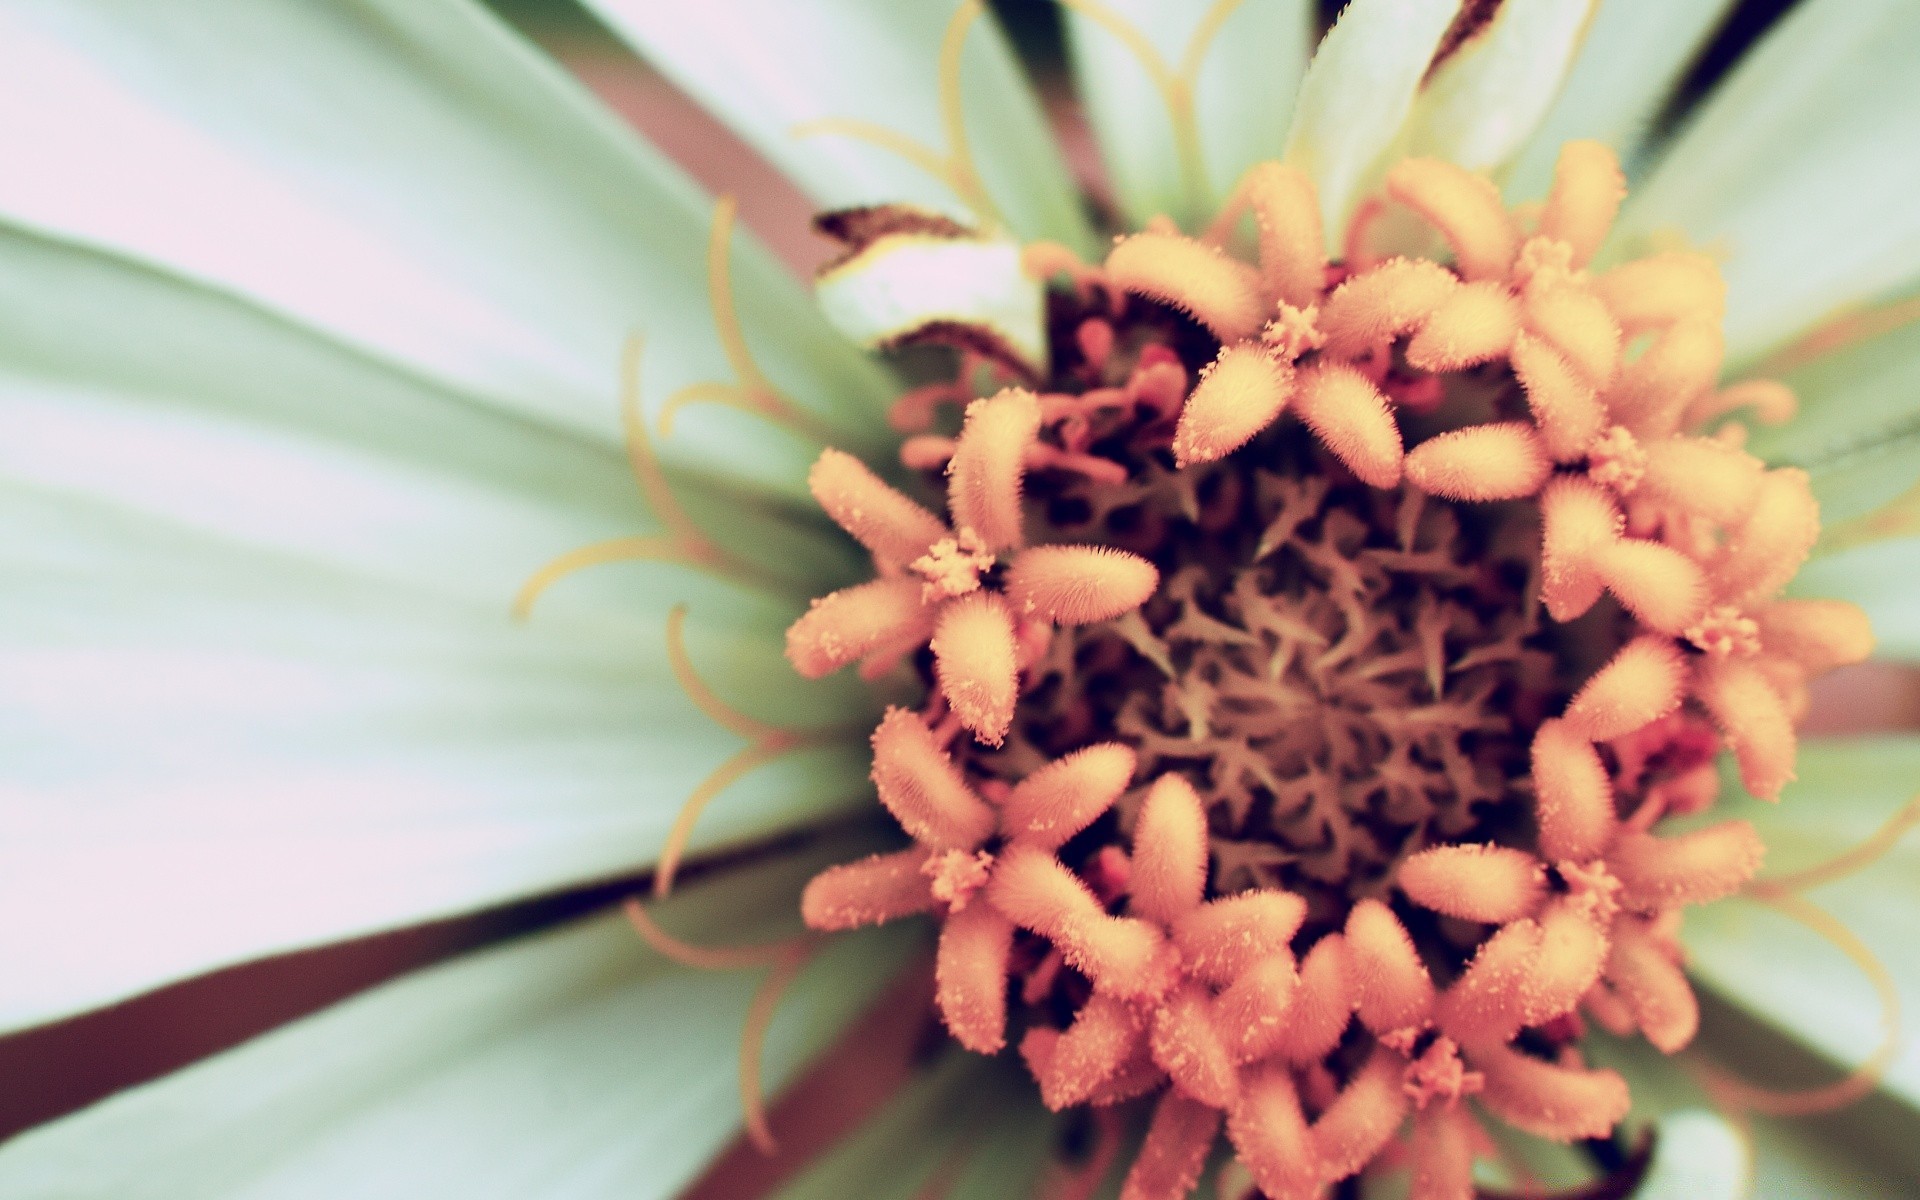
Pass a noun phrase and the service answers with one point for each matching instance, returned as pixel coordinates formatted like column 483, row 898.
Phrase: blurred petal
column 1797, row 170
column 259, row 679
column 1783, row 972
column 1242, row 93
column 1696, row 1156
column 569, row 1064
column 1878, row 576
column 766, row 67
column 1483, row 103
column 414, row 179
column 1633, row 55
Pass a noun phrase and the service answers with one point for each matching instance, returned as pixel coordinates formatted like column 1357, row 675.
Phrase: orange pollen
column 1312, row 663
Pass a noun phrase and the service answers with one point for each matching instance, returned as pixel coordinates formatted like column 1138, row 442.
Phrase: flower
column 308, row 369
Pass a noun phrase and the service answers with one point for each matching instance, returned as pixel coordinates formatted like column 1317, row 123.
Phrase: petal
column 415, row 180
column 1632, row 56
column 575, row 1063
column 1358, row 91
column 262, row 683
column 1478, row 109
column 1830, row 222
column 1247, row 72
column 1696, row 1156
column 769, row 68
column 1783, row 972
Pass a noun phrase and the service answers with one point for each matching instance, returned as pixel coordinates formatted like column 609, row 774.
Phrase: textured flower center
column 1311, row 655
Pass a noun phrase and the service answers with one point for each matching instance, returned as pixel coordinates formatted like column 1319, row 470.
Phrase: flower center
column 1311, row 656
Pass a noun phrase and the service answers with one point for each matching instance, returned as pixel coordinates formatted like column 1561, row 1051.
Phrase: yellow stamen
column 1060, row 799
column 1488, row 1004
column 1175, row 1150
column 1193, row 277
column 1587, row 190
column 976, row 663
column 1577, row 519
column 1382, row 303
column 1504, row 460
column 922, row 788
column 1356, row 1126
column 970, row 977
column 1664, row 589
column 1475, row 324
column 984, row 476
column 1769, row 546
column 868, row 891
column 1703, row 476
column 1688, row 868
column 1252, row 1012
column 1571, row 955
column 1223, row 938
column 1489, row 884
column 1190, row 1050
column 1818, row 634
column 1079, row 585
column 1652, row 292
column 1293, row 252
column 1655, row 389
column 1269, row 1132
column 892, row 527
column 1349, row 414
column 1549, row 1100
column 1464, row 207
column 1239, row 394
column 1169, row 851
column 1573, row 795
column 1574, row 322
column 1392, row 986
column 1755, row 720
column 1641, row 683
column 1564, row 404
column 1323, row 1004
column 1645, row 975
column 846, row 626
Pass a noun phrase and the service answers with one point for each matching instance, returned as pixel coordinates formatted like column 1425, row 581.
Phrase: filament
column 1848, row 862
column 753, row 1039
column 702, row 958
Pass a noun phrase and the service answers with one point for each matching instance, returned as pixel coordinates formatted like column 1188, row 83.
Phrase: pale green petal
column 262, row 685
column 1880, row 577
column 1486, row 100
column 574, row 1064
column 1696, row 1156
column 1796, row 170
column 1357, row 93
column 1633, row 55
column 412, row 178
column 902, row 284
column 1858, row 425
column 1783, row 972
column 1244, row 92
column 766, row 67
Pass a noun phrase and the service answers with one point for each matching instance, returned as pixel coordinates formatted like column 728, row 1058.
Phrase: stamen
column 1575, row 323
column 1170, row 851
column 1577, row 519
column 1464, row 207
column 970, row 977
column 1587, row 190
column 1122, row 957
column 1222, row 939
column 1190, row 1050
column 1689, row 868
column 1703, row 476
column 1477, row 324
column 1564, row 405
column 1360, row 1120
column 1079, row 585
column 1556, row 1102
column 869, row 891
column 1239, row 394
column 1253, row 1012
column 1504, row 460
column 1071, row 1066
column 1270, row 1134
column 1772, row 402
column 1378, row 305
column 894, row 528
column 1293, row 253
column 1755, row 721
column 1348, row 414
column 1644, row 975
column 975, row 661
column 1393, row 987
column 1323, row 1004
column 846, row 626
column 1195, row 278
column 984, row 478
column 1654, row 390
column 702, row 958
column 1663, row 588
column 1175, row 1149
column 1488, row 1004
column 1770, row 545
column 1060, row 799
column 1489, row 884
column 1570, row 958
column 1443, row 1150
column 760, row 1013
column 1574, row 798
column 922, row 788
column 1661, row 289
column 1640, row 684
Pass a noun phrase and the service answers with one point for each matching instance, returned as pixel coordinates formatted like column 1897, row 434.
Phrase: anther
column 1253, row 1012
column 1222, row 938
column 1104, row 1034
column 1490, row 884
column 1366, row 1113
column 1065, row 796
column 1755, row 720
column 1564, row 404
column 1724, row 631
column 1220, row 293
column 1324, row 1002
column 1443, row 1149
column 1642, row 682
column 1573, row 796
column 1503, row 460
column 984, row 477
column 1464, row 207
column 1175, row 1149
column 970, row 977
column 922, row 788
column 1766, row 550
column 1577, row 519
column 1079, row 585
column 1567, row 963
column 846, row 626
column 1663, row 588
column 1392, row 986
column 1170, row 848
column 1286, row 211
column 1378, row 305
column 1574, row 322
column 1474, row 325
column 1549, row 1100
column 1819, row 635
column 1122, row 956
column 1689, row 868
column 1644, row 975
column 892, row 527
column 975, row 662
column 1269, row 1132
column 1348, row 414
column 1238, row 395
column 1488, row 1003
column 1703, row 476
column 1654, row 390
column 1663, row 288
column 1190, row 1050
column 1587, row 190
column 1772, row 402
column 869, row 891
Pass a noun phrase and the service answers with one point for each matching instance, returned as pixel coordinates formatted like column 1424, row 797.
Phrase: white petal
column 1629, row 61
column 574, row 1064
column 1878, row 576
column 1697, row 1155
column 769, row 67
column 411, row 178
column 1484, row 101
column 1357, row 93
column 904, row 282
column 1798, row 170
column 1243, row 92
column 259, row 681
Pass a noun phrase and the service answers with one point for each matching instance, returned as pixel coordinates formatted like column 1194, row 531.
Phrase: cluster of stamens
column 1250, row 776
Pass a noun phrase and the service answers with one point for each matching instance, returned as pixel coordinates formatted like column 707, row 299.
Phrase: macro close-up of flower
column 931, row 599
